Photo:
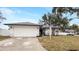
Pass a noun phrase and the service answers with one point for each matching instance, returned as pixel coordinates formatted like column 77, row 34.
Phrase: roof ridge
column 22, row 23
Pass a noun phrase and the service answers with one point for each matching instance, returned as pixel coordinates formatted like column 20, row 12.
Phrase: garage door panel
column 26, row 31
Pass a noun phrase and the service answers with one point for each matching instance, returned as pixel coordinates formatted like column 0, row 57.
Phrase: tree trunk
column 50, row 34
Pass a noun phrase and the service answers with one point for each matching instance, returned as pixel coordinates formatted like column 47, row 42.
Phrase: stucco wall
column 25, row 31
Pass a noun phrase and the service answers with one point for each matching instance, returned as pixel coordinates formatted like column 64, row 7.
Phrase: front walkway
column 21, row 44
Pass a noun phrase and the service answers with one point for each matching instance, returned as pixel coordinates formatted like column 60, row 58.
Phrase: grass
column 60, row 43
column 3, row 37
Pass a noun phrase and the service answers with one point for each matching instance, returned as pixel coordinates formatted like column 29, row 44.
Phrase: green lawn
column 3, row 37
column 60, row 43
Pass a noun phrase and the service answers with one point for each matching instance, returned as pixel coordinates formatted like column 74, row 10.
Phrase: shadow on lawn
column 72, row 50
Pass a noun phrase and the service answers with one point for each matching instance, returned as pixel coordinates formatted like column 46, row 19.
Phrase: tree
column 57, row 16
column 47, row 20
column 74, row 27
column 59, row 11
column 53, row 19
column 2, row 17
column 64, row 20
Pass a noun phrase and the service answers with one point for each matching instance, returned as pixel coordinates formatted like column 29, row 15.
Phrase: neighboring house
column 71, row 31
column 4, row 32
column 24, row 29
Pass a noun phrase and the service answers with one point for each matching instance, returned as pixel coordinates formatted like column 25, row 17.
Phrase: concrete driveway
column 21, row 44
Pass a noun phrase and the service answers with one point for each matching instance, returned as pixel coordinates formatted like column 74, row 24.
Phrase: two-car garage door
column 25, row 31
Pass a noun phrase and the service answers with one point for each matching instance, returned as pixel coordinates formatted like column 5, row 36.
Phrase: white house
column 24, row 29
column 55, row 29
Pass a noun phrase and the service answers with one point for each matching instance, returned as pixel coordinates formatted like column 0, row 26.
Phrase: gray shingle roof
column 23, row 23
column 53, row 26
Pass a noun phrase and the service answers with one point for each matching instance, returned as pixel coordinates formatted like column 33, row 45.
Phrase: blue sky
column 23, row 14
column 26, row 14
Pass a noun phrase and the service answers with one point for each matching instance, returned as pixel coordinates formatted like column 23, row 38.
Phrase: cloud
column 7, row 11
column 21, row 20
column 29, row 13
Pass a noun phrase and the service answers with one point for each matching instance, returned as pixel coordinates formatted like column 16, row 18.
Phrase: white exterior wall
column 55, row 32
column 47, row 31
column 25, row 31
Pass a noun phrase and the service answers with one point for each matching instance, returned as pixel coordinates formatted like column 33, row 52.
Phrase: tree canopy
column 75, row 27
column 57, row 18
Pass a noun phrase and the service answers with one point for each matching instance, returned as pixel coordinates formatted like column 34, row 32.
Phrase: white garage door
column 25, row 31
